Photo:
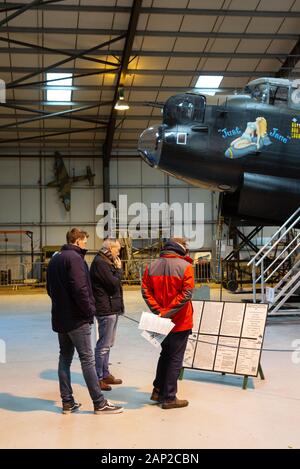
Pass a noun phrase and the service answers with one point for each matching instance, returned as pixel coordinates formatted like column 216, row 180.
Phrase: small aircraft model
column 245, row 146
column 64, row 182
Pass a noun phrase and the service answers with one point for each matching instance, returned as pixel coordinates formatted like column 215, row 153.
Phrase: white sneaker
column 108, row 408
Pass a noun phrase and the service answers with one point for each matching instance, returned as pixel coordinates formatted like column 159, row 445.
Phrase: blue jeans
column 79, row 339
column 107, row 327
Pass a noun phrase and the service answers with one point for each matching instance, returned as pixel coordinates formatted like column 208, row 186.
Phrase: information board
column 227, row 337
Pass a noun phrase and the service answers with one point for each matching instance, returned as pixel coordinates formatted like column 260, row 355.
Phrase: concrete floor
column 220, row 414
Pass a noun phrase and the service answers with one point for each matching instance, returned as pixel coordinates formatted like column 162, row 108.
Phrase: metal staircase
column 284, row 246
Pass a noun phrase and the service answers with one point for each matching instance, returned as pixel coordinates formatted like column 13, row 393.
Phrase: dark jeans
column 107, row 328
column 170, row 363
column 79, row 339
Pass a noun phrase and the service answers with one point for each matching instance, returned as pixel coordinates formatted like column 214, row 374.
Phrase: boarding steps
column 263, row 271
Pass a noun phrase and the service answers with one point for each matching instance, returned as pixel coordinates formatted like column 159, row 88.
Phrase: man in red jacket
column 167, row 288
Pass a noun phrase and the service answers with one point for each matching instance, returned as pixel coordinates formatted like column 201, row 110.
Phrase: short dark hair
column 74, row 234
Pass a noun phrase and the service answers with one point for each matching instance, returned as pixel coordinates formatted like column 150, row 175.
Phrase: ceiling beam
column 47, row 50
column 130, row 88
column 286, row 69
column 139, row 71
column 120, row 32
column 21, row 9
column 108, row 144
column 44, row 153
column 76, row 55
column 3, row 128
column 66, row 114
column 5, row 7
column 159, row 11
column 57, row 80
column 52, row 134
column 144, row 53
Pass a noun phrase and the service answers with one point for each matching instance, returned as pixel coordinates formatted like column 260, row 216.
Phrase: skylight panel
column 209, row 81
column 64, row 92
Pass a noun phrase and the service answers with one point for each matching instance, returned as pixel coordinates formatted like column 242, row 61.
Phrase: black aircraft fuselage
column 246, row 146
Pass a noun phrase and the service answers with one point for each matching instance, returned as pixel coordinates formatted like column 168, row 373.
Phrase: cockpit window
column 260, row 92
column 279, row 95
column 268, row 93
column 184, row 109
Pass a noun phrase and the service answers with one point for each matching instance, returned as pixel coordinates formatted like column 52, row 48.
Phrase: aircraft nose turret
column 150, row 143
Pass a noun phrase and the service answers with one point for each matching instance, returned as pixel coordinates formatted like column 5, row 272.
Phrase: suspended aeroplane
column 245, row 146
column 64, row 182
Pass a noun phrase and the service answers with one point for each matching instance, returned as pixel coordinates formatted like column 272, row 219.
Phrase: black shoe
column 69, row 408
column 108, row 408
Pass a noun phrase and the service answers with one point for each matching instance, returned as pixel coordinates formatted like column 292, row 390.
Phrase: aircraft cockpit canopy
column 275, row 92
column 184, row 109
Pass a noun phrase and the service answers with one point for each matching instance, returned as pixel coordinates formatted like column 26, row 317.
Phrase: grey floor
column 220, row 414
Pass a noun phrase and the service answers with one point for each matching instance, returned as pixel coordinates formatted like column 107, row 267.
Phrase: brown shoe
column 175, row 403
column 110, row 379
column 104, row 386
column 155, row 396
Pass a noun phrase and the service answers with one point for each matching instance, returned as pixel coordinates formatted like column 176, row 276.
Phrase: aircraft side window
column 199, row 109
column 260, row 93
column 185, row 112
column 281, row 96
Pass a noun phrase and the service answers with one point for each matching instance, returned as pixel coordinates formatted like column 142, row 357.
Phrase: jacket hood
column 171, row 254
column 174, row 247
column 73, row 247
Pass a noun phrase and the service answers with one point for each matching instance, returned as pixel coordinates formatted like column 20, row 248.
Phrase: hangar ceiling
column 150, row 49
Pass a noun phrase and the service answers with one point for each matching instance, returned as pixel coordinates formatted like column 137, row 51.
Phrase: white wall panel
column 56, row 235
column 153, row 195
column 9, row 171
column 151, row 175
column 133, row 195
column 204, row 196
column 9, row 205
column 82, row 206
column 30, row 205
column 208, row 241
column 97, row 168
column 113, row 176
column 129, row 172
column 54, row 208
column 30, row 171
column 179, row 195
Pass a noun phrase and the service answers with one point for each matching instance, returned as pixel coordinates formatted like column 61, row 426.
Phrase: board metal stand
column 245, row 380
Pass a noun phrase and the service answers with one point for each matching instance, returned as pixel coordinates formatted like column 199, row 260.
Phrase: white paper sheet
column 154, row 338
column 152, row 322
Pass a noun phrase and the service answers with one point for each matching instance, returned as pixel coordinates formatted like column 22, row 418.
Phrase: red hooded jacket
column 167, row 288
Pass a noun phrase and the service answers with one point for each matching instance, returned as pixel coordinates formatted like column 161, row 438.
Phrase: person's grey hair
column 109, row 242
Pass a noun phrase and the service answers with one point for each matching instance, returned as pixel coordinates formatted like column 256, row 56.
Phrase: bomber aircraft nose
column 150, row 143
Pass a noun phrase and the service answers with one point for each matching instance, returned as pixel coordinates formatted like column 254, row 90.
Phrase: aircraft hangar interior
column 163, row 137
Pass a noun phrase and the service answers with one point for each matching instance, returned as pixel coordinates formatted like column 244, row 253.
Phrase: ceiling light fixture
column 121, row 104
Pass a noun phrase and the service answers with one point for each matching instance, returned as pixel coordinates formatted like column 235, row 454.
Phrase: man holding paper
column 167, row 288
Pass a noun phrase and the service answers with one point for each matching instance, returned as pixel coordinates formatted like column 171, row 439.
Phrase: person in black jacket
column 106, row 275
column 73, row 310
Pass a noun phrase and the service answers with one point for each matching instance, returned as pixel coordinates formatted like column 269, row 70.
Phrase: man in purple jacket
column 73, row 310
